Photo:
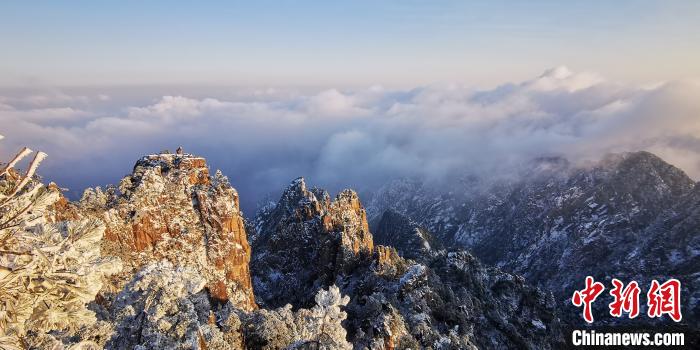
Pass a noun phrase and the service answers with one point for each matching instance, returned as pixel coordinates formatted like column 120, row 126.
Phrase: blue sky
column 351, row 43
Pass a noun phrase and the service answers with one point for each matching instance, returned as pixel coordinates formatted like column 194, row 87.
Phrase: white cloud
column 362, row 138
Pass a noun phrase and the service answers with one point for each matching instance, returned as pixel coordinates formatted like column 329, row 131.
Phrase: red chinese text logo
column 626, row 299
column 587, row 296
column 665, row 299
column 662, row 299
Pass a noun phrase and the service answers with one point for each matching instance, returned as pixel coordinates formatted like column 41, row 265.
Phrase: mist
column 359, row 138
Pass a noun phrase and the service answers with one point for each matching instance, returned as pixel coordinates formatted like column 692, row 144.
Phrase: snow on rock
column 305, row 241
column 171, row 208
column 446, row 301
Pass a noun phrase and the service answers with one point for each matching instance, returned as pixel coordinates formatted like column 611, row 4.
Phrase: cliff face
column 171, row 208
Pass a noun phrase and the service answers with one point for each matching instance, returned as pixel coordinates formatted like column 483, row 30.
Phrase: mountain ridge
column 559, row 226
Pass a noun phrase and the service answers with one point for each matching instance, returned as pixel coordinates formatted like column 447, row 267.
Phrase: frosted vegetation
column 48, row 272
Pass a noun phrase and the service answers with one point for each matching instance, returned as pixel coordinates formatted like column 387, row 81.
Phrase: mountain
column 306, row 272
column 629, row 216
column 487, row 264
column 447, row 300
column 171, row 209
column 305, row 241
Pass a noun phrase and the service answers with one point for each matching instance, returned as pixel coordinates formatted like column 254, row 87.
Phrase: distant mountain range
column 630, row 216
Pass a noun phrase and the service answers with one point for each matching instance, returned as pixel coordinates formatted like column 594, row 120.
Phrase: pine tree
column 323, row 324
column 48, row 272
column 317, row 328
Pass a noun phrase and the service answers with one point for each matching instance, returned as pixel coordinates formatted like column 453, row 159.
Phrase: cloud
column 359, row 138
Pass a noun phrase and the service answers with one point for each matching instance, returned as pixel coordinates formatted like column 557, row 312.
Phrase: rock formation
column 171, row 208
column 305, row 241
column 322, row 280
column 448, row 300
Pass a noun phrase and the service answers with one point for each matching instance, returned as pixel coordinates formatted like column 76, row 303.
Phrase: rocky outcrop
column 186, row 281
column 447, row 300
column 171, row 208
column 305, row 241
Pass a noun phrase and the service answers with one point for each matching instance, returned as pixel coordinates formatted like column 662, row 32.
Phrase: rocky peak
column 171, row 208
column 343, row 216
column 307, row 231
column 296, row 200
column 346, row 216
column 164, row 164
column 387, row 261
column 395, row 302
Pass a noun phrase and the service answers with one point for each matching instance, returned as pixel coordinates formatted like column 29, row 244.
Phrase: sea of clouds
column 358, row 138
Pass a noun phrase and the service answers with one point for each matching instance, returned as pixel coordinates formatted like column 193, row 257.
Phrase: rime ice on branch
column 48, row 272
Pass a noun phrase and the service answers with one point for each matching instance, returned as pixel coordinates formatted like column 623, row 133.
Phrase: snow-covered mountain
column 304, row 273
column 629, row 216
column 173, row 263
column 440, row 300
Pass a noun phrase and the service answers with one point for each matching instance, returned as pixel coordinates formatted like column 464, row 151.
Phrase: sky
column 342, row 44
column 349, row 94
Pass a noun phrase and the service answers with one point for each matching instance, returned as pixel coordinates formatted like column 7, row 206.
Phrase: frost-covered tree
column 316, row 328
column 48, row 272
column 322, row 328
column 166, row 307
